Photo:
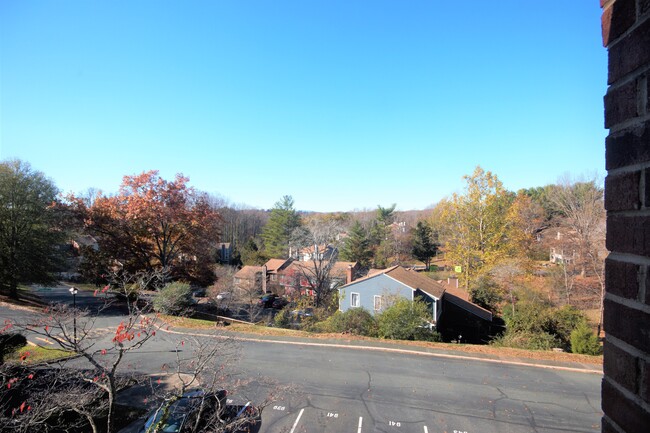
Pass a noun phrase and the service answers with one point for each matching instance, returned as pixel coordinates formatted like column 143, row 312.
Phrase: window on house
column 354, row 300
column 377, row 302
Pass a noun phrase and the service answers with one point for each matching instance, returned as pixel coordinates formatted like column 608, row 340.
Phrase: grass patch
column 186, row 322
column 35, row 355
column 491, row 351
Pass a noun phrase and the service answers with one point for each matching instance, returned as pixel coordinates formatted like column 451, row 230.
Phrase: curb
column 396, row 350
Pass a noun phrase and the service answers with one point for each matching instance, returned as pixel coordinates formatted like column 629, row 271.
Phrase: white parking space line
column 426, row 430
column 360, row 424
column 295, row 424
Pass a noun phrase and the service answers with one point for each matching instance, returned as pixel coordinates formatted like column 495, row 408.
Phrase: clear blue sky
column 342, row 104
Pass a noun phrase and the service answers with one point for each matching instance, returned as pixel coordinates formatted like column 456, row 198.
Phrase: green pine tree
column 424, row 248
column 277, row 231
column 356, row 247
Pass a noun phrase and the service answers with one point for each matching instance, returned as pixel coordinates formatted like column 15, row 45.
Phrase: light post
column 74, row 292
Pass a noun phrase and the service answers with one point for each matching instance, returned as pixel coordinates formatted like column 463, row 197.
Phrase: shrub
column 357, row 321
column 175, row 298
column 526, row 340
column 584, row 340
column 403, row 320
column 565, row 320
column 485, row 292
column 424, row 333
column 9, row 343
column 282, row 319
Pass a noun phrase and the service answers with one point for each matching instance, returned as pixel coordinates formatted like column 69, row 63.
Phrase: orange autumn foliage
column 154, row 223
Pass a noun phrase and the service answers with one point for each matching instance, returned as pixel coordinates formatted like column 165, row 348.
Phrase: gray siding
column 367, row 289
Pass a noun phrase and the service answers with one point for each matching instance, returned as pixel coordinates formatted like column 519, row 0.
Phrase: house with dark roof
column 251, row 277
column 454, row 317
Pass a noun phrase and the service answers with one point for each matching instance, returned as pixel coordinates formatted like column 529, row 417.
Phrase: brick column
column 626, row 385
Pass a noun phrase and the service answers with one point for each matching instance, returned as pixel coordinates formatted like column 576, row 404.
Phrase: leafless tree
column 74, row 330
column 208, row 367
column 246, row 295
column 506, row 273
column 222, row 292
column 240, row 222
column 88, row 384
column 581, row 204
column 321, row 235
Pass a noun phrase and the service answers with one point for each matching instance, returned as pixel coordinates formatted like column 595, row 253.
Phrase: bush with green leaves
column 565, row 320
column 403, row 320
column 282, row 319
column 486, row 293
column 10, row 342
column 584, row 340
column 526, row 340
column 534, row 324
column 174, row 298
column 357, row 321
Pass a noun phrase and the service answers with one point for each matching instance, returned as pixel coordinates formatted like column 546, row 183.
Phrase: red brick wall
column 626, row 385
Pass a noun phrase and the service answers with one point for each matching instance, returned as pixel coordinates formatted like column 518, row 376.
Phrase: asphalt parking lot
column 356, row 417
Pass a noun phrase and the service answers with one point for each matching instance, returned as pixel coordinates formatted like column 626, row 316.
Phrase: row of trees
column 496, row 236
column 150, row 224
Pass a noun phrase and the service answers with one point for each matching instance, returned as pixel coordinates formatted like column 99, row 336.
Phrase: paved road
column 348, row 390
column 345, row 389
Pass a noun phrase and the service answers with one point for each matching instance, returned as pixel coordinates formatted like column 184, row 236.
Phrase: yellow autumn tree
column 526, row 219
column 476, row 224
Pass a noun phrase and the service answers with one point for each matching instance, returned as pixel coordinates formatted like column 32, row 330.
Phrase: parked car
column 279, row 303
column 177, row 414
column 307, row 312
column 267, row 300
column 181, row 413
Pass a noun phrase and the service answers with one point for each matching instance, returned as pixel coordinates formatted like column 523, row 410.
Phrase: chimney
column 348, row 275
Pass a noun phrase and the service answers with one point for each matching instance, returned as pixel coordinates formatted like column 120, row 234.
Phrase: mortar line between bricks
column 629, row 303
column 394, row 350
column 630, row 213
column 629, row 124
column 621, row 38
column 613, row 423
column 632, row 259
column 626, row 347
column 627, row 394
column 627, row 169
column 628, row 78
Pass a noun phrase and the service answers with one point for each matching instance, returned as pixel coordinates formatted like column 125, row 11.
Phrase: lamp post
column 74, row 292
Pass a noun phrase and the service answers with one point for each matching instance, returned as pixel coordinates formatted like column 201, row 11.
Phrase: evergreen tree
column 423, row 245
column 356, row 247
column 380, row 237
column 277, row 231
